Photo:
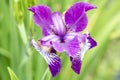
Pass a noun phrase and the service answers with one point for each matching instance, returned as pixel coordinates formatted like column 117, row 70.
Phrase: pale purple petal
column 58, row 23
column 71, row 35
column 60, row 47
column 72, row 47
column 76, row 64
column 43, row 17
column 47, row 40
column 75, row 16
column 52, row 59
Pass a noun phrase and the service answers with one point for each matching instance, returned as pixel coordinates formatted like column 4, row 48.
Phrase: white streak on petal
column 49, row 37
column 48, row 56
column 35, row 45
column 85, row 47
column 52, row 59
column 58, row 23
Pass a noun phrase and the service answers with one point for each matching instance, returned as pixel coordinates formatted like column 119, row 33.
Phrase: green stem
column 49, row 76
column 45, row 73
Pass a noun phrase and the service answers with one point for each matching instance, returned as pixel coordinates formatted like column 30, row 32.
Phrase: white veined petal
column 58, row 23
column 52, row 59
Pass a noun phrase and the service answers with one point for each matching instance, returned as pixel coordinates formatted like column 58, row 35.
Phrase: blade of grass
column 12, row 74
column 5, row 53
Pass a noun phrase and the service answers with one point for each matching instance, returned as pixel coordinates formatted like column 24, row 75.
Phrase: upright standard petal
column 89, row 6
column 75, row 16
column 58, row 23
column 52, row 59
column 43, row 18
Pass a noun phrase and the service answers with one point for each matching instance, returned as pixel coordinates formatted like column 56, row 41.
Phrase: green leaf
column 12, row 74
column 4, row 52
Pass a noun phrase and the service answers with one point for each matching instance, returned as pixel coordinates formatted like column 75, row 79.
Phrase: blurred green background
column 18, row 60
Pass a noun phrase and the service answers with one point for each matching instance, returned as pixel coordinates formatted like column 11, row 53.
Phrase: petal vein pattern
column 52, row 59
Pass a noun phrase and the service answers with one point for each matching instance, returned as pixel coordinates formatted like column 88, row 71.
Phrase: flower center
column 62, row 39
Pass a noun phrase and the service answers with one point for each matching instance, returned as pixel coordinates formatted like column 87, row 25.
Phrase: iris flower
column 62, row 34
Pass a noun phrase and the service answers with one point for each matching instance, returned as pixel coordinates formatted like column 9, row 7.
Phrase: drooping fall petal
column 76, row 64
column 52, row 59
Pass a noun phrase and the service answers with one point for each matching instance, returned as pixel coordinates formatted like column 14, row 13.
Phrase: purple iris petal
column 75, row 16
column 52, row 59
column 54, row 65
column 58, row 23
column 92, row 42
column 71, row 35
column 58, row 46
column 76, row 64
column 72, row 47
column 89, row 6
column 47, row 40
column 43, row 18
